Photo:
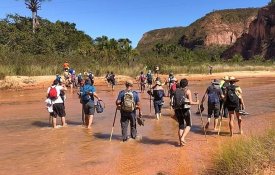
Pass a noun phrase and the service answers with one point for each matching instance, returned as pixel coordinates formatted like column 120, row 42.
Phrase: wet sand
column 30, row 146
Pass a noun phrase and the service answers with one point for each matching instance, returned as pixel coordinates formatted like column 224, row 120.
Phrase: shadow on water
column 40, row 124
column 150, row 141
column 103, row 136
column 197, row 129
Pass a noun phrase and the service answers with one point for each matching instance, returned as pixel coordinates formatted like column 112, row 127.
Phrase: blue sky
column 125, row 18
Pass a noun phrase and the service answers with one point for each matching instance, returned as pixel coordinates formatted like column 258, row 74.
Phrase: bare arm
column 95, row 95
column 189, row 96
column 204, row 96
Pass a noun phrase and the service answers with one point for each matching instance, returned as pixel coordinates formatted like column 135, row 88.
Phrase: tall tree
column 34, row 6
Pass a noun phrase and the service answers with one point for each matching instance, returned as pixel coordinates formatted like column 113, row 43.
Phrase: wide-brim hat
column 158, row 83
column 225, row 78
column 129, row 83
column 232, row 79
column 215, row 81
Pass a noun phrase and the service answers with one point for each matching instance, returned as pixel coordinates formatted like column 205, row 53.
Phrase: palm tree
column 34, row 6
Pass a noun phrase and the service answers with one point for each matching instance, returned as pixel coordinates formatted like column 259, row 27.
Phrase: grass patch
column 2, row 76
column 246, row 156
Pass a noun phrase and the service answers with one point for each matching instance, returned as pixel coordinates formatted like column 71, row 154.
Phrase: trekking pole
column 150, row 102
column 113, row 126
column 220, row 123
column 196, row 95
column 82, row 115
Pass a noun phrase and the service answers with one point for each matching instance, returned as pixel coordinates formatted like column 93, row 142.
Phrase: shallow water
column 30, row 146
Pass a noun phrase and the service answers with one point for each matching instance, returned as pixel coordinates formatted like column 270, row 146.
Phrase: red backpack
column 173, row 87
column 52, row 93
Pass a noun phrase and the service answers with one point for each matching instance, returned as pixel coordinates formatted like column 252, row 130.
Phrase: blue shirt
column 84, row 92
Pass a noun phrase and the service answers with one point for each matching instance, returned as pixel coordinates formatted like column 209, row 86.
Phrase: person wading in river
column 53, row 93
column 158, row 94
column 128, row 101
column 87, row 94
column 234, row 103
column 181, row 103
column 214, row 94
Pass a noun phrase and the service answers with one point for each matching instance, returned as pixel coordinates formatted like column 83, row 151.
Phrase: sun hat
column 129, row 83
column 232, row 79
column 215, row 81
column 158, row 83
column 226, row 78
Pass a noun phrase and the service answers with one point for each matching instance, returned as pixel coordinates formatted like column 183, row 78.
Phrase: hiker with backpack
column 58, row 108
column 224, row 83
column 149, row 78
column 87, row 95
column 214, row 95
column 182, row 101
column 128, row 102
column 66, row 66
column 142, row 81
column 158, row 94
column 234, row 103
column 112, row 80
column 169, row 82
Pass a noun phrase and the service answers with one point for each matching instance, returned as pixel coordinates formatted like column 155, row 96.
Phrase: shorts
column 157, row 106
column 213, row 109
column 89, row 108
column 232, row 109
column 58, row 110
column 183, row 115
column 150, row 82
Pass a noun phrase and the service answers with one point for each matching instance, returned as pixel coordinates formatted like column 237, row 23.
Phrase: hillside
column 221, row 27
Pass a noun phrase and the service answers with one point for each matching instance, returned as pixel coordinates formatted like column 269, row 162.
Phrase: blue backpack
column 213, row 97
column 85, row 97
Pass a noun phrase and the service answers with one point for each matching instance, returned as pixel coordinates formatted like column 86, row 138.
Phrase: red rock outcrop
column 260, row 40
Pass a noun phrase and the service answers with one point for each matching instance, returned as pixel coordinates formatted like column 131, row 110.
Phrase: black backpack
column 179, row 99
column 232, row 100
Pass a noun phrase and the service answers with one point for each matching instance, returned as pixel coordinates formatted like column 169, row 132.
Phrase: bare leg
column 216, row 121
column 90, row 118
column 208, row 122
column 63, row 120
column 231, row 122
column 180, row 133
column 86, row 120
column 54, row 122
column 239, row 122
column 186, row 131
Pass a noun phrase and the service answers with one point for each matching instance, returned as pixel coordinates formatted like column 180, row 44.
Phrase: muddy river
column 30, row 146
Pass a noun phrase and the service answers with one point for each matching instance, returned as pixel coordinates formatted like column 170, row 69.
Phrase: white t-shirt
column 58, row 89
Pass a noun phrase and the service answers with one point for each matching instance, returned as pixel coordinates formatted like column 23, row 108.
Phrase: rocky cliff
column 216, row 28
column 260, row 40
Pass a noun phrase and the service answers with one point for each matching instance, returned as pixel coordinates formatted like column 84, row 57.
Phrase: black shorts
column 214, row 109
column 183, row 115
column 58, row 110
column 89, row 108
column 232, row 109
column 150, row 82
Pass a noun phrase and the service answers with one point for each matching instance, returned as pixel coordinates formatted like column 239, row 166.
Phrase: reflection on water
column 30, row 146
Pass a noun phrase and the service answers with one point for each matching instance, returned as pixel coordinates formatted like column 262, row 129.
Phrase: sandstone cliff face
column 220, row 33
column 260, row 40
column 216, row 28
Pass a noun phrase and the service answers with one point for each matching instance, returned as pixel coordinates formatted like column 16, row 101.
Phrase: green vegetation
column 23, row 52
column 271, row 2
column 246, row 156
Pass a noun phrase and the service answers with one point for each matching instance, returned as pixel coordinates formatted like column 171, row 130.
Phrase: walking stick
column 113, row 125
column 220, row 123
column 196, row 95
column 83, row 115
column 150, row 102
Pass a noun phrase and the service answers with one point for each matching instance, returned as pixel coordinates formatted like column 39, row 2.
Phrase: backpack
column 213, row 97
column 52, row 93
column 85, row 97
column 128, row 104
column 149, row 77
column 99, row 108
column 179, row 100
column 158, row 94
column 142, row 78
column 173, row 87
column 232, row 100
